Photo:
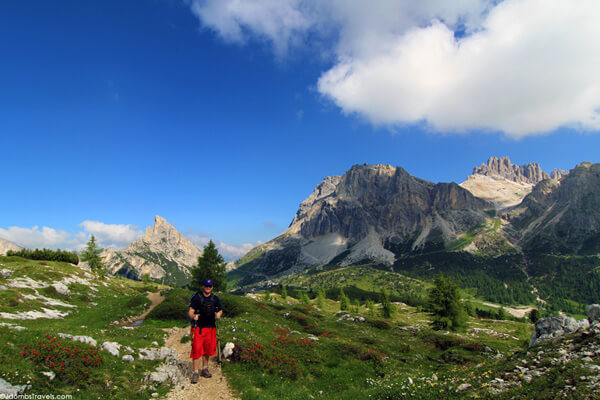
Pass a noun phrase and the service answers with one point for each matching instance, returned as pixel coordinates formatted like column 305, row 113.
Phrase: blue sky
column 222, row 116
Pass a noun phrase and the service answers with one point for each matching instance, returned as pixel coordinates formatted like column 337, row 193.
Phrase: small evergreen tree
column 445, row 305
column 211, row 265
column 303, row 297
column 284, row 292
column 344, row 301
column 321, row 297
column 534, row 315
column 370, row 307
column 356, row 304
column 91, row 254
column 386, row 305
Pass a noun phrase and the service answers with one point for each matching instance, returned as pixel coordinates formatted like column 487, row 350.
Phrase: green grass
column 113, row 299
column 276, row 359
column 352, row 359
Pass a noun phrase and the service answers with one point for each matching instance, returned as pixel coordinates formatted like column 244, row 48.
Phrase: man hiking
column 205, row 308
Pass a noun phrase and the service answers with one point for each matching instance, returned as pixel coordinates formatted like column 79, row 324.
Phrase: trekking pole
column 218, row 342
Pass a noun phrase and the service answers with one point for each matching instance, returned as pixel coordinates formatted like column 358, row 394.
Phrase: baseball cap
column 208, row 282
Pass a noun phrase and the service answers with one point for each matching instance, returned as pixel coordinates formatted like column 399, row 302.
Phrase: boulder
column 61, row 288
column 82, row 339
column 128, row 358
column 10, row 391
column 555, row 327
column 156, row 353
column 593, row 312
column 6, row 273
column 112, row 348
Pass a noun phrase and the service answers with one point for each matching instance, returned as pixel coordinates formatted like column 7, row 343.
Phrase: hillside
column 283, row 349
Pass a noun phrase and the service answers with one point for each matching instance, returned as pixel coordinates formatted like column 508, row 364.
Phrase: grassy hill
column 284, row 349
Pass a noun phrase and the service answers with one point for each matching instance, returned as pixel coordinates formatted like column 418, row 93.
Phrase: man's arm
column 192, row 314
column 218, row 314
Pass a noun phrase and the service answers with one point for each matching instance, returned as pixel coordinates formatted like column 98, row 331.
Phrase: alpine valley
column 509, row 234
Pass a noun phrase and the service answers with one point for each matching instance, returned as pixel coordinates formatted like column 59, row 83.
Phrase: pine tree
column 211, row 265
column 284, row 292
column 321, row 297
column 344, row 301
column 534, row 315
column 445, row 305
column 91, row 254
column 386, row 305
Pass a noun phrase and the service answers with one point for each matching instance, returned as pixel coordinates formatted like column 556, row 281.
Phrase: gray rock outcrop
column 593, row 312
column 554, row 327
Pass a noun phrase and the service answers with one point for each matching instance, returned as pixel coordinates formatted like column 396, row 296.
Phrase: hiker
column 205, row 308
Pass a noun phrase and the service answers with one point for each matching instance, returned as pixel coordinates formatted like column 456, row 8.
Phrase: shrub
column 70, row 363
column 233, row 305
column 379, row 323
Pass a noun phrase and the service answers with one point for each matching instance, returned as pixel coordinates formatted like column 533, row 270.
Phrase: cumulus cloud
column 519, row 66
column 35, row 237
column 228, row 251
column 112, row 235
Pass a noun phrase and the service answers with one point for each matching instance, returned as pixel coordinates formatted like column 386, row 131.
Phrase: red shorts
column 204, row 342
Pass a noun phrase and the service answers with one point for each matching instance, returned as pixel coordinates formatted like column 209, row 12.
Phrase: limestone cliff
column 5, row 245
column 370, row 214
column 505, row 184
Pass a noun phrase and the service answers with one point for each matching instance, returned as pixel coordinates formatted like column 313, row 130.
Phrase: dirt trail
column 156, row 298
column 214, row 388
column 516, row 312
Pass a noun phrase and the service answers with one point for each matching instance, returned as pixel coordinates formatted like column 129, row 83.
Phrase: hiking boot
column 195, row 376
column 205, row 373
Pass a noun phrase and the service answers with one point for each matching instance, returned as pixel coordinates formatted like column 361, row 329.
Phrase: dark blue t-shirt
column 205, row 307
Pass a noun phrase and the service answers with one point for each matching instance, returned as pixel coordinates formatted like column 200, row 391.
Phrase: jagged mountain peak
column 161, row 252
column 530, row 173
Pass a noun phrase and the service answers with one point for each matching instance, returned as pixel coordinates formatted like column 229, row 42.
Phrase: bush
column 233, row 305
column 70, row 363
column 46, row 254
column 175, row 307
column 379, row 323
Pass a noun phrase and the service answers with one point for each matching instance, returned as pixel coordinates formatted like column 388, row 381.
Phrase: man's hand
column 218, row 314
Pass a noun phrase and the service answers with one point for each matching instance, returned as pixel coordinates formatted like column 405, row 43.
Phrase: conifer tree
column 344, row 301
column 321, row 297
column 386, row 304
column 445, row 305
column 284, row 292
column 211, row 265
column 91, row 254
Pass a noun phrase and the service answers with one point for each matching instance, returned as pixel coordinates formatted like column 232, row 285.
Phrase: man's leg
column 196, row 362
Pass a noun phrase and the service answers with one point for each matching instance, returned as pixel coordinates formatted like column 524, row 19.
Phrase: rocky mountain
column 162, row 253
column 370, row 214
column 561, row 216
column 505, row 184
column 5, row 245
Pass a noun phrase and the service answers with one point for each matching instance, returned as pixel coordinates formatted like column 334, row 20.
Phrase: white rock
column 82, row 339
column 128, row 357
column 6, row 273
column 463, row 387
column 61, row 288
column 112, row 348
column 6, row 389
column 49, row 374
column 45, row 313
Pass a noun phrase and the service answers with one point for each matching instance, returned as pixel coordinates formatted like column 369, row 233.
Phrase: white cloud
column 35, row 237
column 228, row 251
column 522, row 67
column 112, row 235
